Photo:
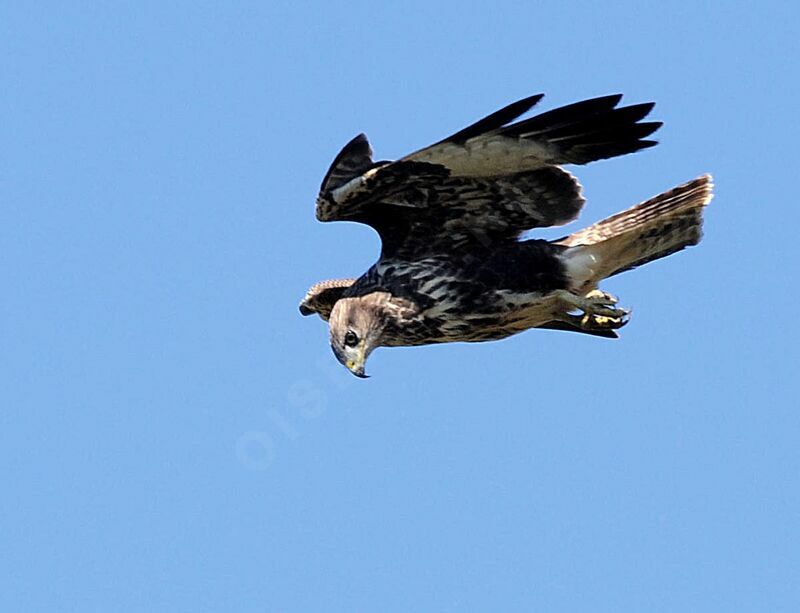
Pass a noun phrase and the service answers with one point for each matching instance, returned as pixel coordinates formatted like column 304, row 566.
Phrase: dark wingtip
column 524, row 105
column 304, row 310
column 354, row 158
column 644, row 108
column 648, row 127
column 575, row 113
column 496, row 120
column 360, row 142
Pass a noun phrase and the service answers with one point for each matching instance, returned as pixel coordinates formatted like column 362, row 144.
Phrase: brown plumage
column 452, row 267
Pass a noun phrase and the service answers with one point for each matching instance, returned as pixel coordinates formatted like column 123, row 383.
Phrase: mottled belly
column 510, row 314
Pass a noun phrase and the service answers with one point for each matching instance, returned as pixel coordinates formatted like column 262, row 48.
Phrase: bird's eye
column 351, row 339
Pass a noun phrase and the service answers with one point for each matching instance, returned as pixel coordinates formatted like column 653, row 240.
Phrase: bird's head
column 356, row 326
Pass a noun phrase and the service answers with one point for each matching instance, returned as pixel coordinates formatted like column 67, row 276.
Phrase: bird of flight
column 452, row 266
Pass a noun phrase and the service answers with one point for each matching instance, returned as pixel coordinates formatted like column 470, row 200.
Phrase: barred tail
column 648, row 231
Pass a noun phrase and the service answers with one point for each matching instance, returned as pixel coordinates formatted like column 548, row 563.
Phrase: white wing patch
column 486, row 156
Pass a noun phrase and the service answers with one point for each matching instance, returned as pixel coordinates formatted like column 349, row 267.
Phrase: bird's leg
column 599, row 312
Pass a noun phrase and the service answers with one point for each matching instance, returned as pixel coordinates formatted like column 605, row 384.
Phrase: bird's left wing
column 321, row 297
column 490, row 180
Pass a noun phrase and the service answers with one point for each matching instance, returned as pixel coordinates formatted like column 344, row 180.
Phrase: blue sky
column 175, row 437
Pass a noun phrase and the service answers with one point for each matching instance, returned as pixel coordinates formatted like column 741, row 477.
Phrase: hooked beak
column 357, row 366
column 358, row 372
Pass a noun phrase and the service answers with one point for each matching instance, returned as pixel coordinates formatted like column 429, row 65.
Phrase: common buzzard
column 452, row 266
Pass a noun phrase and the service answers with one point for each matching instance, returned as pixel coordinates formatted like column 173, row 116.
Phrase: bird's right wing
column 321, row 297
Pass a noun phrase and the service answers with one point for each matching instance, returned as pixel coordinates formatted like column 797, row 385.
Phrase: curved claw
column 601, row 322
column 599, row 312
